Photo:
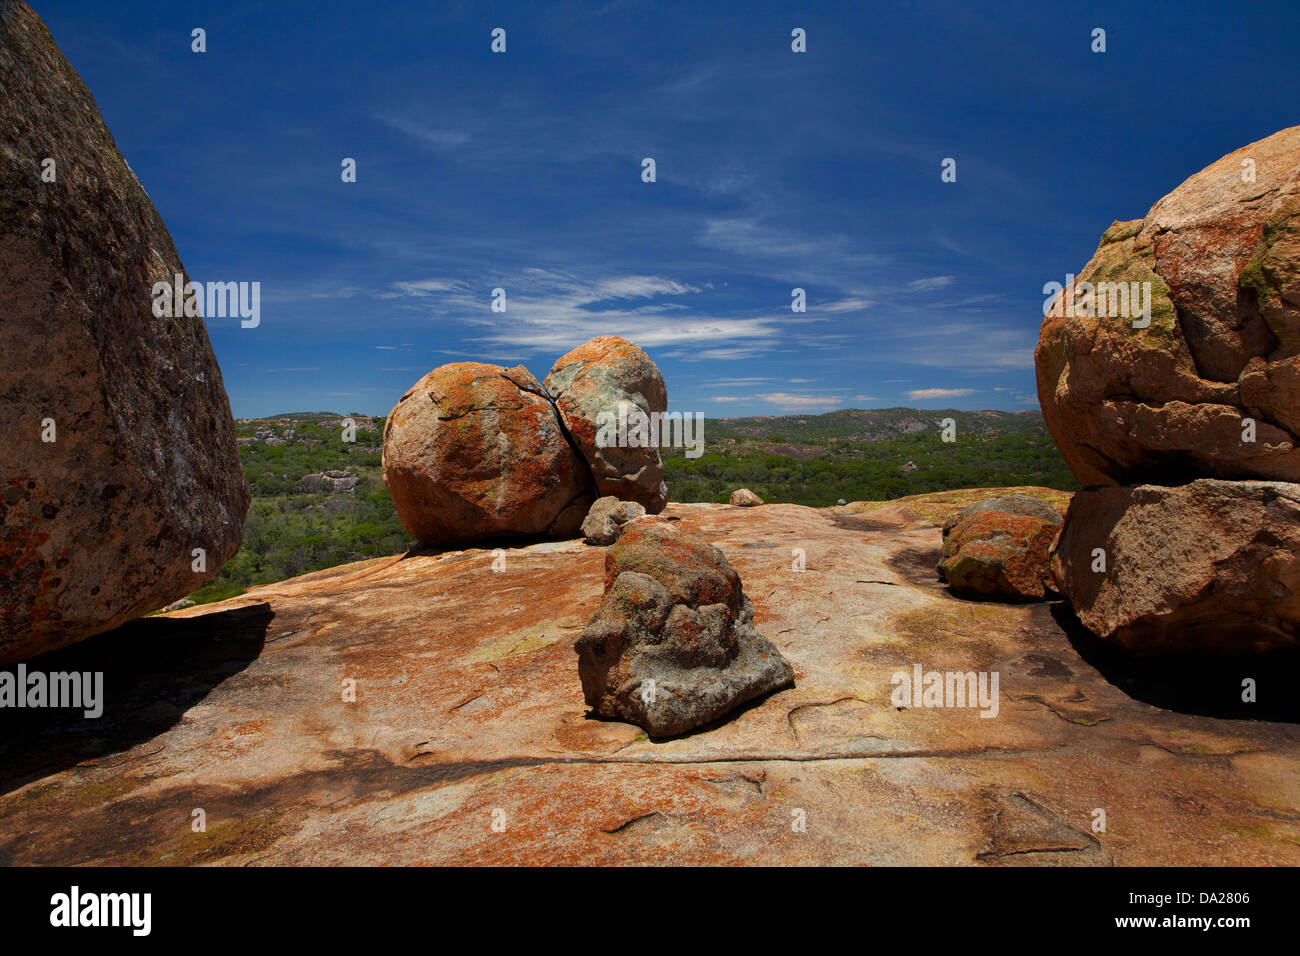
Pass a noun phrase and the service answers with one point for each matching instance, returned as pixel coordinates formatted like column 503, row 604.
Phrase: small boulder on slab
column 607, row 518
column 744, row 498
column 673, row 644
column 992, row 553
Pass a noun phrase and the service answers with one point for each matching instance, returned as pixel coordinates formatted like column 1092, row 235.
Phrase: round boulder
column 476, row 451
column 1207, row 380
column 610, row 380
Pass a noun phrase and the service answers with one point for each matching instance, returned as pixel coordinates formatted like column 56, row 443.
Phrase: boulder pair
column 475, row 451
column 1185, row 421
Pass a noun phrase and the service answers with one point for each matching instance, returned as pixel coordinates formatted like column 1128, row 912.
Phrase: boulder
column 594, row 380
column 990, row 553
column 1016, row 504
column 119, row 457
column 1221, row 355
column 673, row 644
column 607, row 518
column 744, row 498
column 1208, row 567
column 476, row 451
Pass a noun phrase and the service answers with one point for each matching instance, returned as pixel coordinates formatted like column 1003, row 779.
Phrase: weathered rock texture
column 744, row 498
column 594, row 379
column 673, row 645
column 607, row 518
column 99, row 525
column 1211, row 566
column 1017, row 504
column 1167, row 402
column 476, row 451
column 990, row 553
column 466, row 705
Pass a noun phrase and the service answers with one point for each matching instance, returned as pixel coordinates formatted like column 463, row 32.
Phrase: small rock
column 179, row 605
column 607, row 518
column 673, row 644
column 995, row 554
column 1017, row 504
column 744, row 498
column 841, row 502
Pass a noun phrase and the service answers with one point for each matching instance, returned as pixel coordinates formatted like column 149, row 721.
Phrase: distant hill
column 869, row 425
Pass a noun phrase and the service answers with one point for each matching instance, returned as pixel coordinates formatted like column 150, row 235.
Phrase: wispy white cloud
column 918, row 394
column 788, row 400
column 934, row 282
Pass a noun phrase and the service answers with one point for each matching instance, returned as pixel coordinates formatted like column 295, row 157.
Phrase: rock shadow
column 1205, row 686
column 154, row 669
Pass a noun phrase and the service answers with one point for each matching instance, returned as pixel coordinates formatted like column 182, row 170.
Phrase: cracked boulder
column 998, row 548
column 121, row 488
column 1206, row 567
column 475, row 451
column 1209, row 385
column 673, row 644
column 610, row 379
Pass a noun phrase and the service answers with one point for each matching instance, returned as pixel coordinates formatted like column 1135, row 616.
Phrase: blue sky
column 522, row 170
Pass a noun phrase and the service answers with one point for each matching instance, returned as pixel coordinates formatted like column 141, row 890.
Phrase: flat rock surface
column 469, row 741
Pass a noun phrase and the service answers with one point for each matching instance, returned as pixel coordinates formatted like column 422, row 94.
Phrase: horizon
column 775, row 170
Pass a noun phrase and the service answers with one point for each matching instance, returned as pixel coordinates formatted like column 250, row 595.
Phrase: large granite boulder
column 996, row 554
column 1210, row 566
column 673, row 644
column 476, row 451
column 594, row 380
column 1221, row 254
column 102, row 523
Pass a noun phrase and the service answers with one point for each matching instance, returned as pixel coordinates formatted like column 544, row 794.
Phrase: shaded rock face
column 593, row 380
column 991, row 553
column 1158, row 404
column 673, row 644
column 1212, row 566
column 607, row 518
column 744, row 498
column 476, row 451
column 99, row 525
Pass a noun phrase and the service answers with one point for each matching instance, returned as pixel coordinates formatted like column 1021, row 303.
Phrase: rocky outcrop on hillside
column 1206, row 384
column 334, row 481
column 425, row 710
column 120, row 484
